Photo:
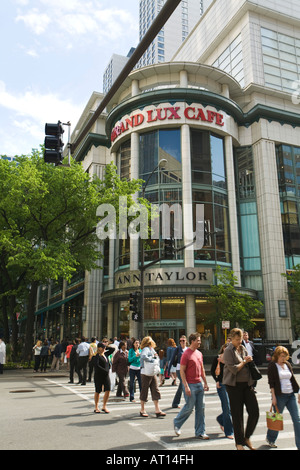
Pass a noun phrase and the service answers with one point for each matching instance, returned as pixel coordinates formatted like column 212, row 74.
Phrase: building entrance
column 160, row 337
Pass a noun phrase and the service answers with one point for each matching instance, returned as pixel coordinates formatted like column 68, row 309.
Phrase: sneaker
column 204, row 437
column 271, row 444
column 177, row 431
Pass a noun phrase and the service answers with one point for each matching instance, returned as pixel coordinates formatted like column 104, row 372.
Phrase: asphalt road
column 44, row 412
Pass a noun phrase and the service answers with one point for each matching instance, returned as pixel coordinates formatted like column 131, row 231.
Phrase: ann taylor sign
column 165, row 276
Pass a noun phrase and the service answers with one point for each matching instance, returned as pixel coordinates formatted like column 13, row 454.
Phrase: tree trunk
column 29, row 339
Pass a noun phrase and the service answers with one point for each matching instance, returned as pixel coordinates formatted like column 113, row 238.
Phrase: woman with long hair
column 149, row 355
column 283, row 387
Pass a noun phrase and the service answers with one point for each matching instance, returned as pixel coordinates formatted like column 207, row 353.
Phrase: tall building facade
column 175, row 30
column 224, row 116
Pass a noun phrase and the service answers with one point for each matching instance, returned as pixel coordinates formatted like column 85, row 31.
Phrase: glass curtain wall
column 210, row 189
column 288, row 163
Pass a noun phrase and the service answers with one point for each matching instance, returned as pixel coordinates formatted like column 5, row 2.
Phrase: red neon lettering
column 186, row 113
column 159, row 116
column 138, row 119
column 200, row 115
column 150, row 119
column 174, row 113
column 219, row 119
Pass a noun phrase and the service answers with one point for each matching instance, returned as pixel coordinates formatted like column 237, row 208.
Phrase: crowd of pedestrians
column 141, row 363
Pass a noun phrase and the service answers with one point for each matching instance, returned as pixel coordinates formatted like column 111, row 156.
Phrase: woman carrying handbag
column 283, row 387
column 149, row 370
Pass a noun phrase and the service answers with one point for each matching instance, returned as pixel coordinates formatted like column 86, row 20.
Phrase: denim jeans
column 224, row 419
column 196, row 400
column 132, row 374
column 287, row 400
column 177, row 397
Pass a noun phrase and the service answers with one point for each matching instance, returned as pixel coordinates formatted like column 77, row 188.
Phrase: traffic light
column 134, row 305
column 169, row 248
column 53, row 152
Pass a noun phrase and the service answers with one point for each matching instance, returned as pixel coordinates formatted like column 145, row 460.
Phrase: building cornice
column 205, row 98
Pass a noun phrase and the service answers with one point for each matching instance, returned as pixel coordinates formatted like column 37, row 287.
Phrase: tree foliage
column 48, row 219
column 230, row 304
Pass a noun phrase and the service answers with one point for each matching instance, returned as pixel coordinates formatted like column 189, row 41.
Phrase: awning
column 57, row 304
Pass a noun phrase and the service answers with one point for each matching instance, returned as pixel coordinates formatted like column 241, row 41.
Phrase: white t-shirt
column 285, row 378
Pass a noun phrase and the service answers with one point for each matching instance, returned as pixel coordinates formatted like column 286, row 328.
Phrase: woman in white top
column 37, row 355
column 283, row 388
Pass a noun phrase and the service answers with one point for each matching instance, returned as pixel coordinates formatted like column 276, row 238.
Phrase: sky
column 52, row 57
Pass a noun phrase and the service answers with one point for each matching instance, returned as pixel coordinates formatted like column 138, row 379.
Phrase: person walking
column 120, row 367
column 68, row 353
column 162, row 365
column 224, row 419
column 92, row 352
column 45, row 352
column 37, row 355
column 134, row 355
column 101, row 375
column 56, row 356
column 175, row 359
column 83, row 358
column 239, row 386
column 2, row 355
column 283, row 387
column 170, row 352
column 74, row 360
column 149, row 355
column 192, row 374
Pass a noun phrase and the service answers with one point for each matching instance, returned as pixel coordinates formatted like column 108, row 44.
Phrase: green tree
column 230, row 304
column 48, row 227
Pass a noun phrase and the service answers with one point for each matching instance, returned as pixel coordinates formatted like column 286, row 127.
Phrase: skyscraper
column 175, row 30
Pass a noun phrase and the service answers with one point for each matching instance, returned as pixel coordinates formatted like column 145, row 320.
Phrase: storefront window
column 205, row 326
column 152, row 308
column 172, row 308
column 164, row 308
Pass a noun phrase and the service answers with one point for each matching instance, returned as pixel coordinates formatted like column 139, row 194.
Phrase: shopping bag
column 151, row 368
column 274, row 420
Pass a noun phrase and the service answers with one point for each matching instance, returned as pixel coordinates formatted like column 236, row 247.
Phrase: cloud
column 36, row 21
column 78, row 20
column 28, row 112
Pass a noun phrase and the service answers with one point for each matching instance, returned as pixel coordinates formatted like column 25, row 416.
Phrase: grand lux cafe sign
column 167, row 114
column 165, row 276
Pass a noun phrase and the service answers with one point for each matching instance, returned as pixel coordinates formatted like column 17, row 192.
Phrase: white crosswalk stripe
column 123, row 409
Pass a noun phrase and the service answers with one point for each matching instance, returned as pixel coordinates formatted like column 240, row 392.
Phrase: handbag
column 274, row 420
column 151, row 368
column 254, row 371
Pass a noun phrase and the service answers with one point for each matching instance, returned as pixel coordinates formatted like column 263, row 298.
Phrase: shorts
column 102, row 384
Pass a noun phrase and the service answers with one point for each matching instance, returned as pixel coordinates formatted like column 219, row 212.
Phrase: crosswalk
column 162, row 433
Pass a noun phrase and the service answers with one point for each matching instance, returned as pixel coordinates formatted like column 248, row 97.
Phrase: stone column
column 233, row 223
column 271, row 240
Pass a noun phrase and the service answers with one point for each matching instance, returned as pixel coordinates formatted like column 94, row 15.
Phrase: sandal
column 97, row 411
column 143, row 414
column 105, row 411
column 160, row 414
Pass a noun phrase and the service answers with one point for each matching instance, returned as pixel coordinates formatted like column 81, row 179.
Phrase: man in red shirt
column 192, row 371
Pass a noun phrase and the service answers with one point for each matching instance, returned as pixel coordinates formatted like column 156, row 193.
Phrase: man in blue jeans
column 192, row 372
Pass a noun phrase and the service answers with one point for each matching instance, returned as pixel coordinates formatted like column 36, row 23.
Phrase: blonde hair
column 236, row 332
column 148, row 342
column 280, row 350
